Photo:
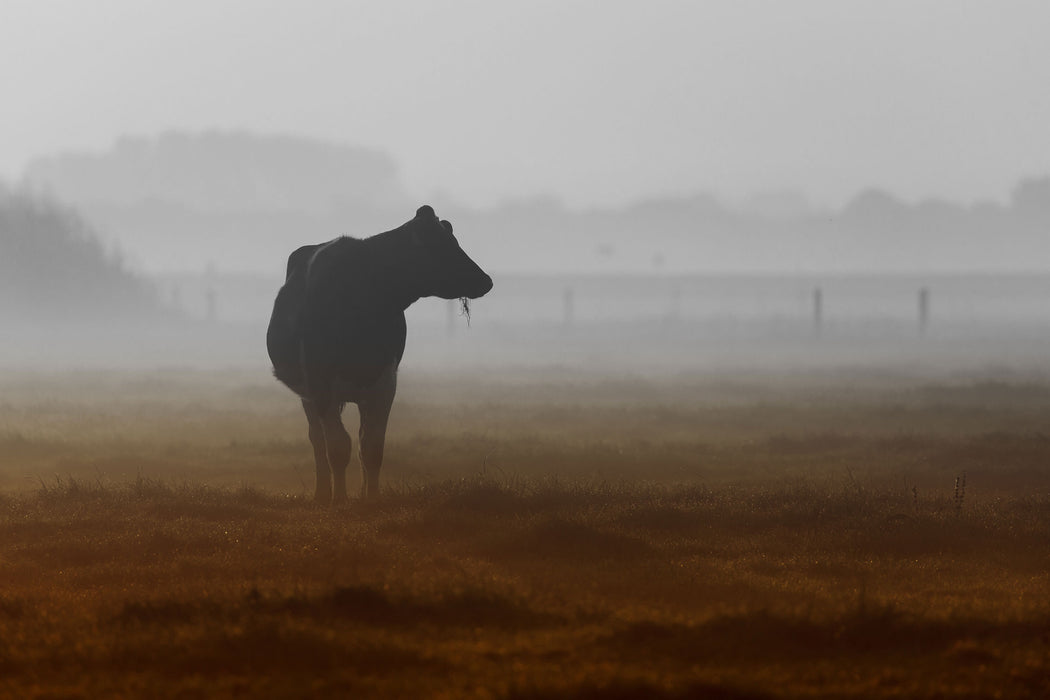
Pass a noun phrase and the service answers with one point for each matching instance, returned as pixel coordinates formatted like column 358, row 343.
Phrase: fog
column 676, row 188
column 595, row 103
column 749, row 399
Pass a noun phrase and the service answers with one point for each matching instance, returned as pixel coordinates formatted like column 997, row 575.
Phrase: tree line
column 53, row 266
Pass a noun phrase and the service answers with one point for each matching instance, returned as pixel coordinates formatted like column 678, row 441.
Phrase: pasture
column 541, row 534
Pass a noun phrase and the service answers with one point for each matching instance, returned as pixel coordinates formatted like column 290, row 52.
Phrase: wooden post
column 676, row 302
column 924, row 310
column 209, row 292
column 818, row 310
column 209, row 298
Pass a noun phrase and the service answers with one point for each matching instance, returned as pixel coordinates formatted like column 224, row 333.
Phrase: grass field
column 867, row 534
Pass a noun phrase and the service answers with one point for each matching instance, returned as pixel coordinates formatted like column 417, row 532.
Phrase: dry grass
column 683, row 541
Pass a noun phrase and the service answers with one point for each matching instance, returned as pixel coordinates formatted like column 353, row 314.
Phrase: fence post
column 568, row 304
column 176, row 296
column 209, row 298
column 818, row 310
column 210, row 301
column 924, row 309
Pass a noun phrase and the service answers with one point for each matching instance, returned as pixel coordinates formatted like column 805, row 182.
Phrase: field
column 540, row 535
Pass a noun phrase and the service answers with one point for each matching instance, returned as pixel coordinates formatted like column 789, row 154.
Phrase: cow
column 337, row 332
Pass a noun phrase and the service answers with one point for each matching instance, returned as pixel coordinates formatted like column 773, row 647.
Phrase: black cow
column 337, row 332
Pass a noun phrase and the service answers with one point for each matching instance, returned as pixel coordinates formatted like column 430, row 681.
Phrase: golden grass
column 674, row 541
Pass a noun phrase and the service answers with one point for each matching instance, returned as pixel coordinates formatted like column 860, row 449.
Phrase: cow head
column 443, row 269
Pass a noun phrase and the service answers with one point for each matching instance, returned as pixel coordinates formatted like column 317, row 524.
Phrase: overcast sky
column 594, row 102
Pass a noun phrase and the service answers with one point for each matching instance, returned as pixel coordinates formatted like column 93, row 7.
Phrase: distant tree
column 54, row 268
column 875, row 208
column 226, row 171
column 1031, row 198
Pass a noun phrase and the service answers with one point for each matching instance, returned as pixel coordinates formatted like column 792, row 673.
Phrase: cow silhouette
column 337, row 332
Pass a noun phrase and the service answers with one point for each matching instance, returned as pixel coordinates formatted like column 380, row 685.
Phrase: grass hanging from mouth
column 464, row 308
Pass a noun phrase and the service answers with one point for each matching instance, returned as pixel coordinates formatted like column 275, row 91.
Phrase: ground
column 855, row 534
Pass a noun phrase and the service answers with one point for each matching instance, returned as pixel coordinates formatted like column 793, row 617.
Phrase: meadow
column 541, row 534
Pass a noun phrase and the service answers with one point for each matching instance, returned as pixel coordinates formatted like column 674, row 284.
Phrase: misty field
column 836, row 534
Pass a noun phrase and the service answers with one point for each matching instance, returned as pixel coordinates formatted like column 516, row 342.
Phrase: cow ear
column 447, row 225
column 426, row 212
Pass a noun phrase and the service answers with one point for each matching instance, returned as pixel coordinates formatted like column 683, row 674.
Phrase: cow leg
column 323, row 489
column 337, row 447
column 375, row 411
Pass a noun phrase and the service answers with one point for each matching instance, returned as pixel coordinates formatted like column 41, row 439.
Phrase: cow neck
column 393, row 279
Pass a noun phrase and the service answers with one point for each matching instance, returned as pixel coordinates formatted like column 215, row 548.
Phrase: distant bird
column 337, row 332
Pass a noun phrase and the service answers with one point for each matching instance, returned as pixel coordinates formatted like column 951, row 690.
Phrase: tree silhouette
column 54, row 268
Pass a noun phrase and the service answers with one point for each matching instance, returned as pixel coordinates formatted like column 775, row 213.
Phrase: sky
column 595, row 103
